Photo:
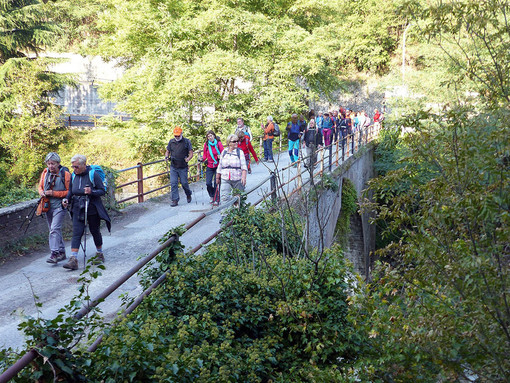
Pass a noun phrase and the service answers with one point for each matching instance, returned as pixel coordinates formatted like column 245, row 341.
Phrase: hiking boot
column 98, row 259
column 72, row 264
column 53, row 257
column 173, row 203
column 61, row 256
column 188, row 198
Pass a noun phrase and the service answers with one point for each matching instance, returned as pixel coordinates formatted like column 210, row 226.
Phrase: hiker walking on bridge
column 232, row 168
column 84, row 195
column 211, row 156
column 180, row 152
column 53, row 188
column 293, row 127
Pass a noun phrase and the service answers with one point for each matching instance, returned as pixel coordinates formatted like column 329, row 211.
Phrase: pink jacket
column 207, row 155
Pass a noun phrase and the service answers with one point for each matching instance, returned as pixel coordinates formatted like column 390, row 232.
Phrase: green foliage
column 207, row 63
column 240, row 311
column 55, row 340
column 349, row 207
column 439, row 309
column 30, row 124
column 480, row 33
column 24, row 28
column 227, row 314
column 10, row 193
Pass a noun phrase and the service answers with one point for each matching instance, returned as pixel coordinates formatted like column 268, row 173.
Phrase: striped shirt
column 232, row 164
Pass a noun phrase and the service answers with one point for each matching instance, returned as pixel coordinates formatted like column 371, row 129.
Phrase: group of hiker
column 227, row 167
column 78, row 194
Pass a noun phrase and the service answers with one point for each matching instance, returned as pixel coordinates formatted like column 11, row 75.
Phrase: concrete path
column 135, row 234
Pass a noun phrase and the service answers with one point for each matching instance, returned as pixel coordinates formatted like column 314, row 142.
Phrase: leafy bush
column 10, row 193
column 238, row 312
column 438, row 310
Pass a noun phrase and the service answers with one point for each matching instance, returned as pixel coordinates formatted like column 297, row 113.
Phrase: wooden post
column 139, row 172
column 299, row 179
column 322, row 160
column 273, row 187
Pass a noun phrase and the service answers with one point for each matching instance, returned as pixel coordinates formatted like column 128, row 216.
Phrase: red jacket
column 246, row 146
column 207, row 155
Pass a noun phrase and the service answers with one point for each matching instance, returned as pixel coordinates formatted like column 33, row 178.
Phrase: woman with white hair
column 268, row 139
column 232, row 169
column 53, row 187
column 84, row 196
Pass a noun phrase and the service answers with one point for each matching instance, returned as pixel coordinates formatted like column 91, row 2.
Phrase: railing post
column 343, row 147
column 139, row 172
column 330, row 157
column 337, row 145
column 70, row 125
column 322, row 160
column 299, row 179
column 111, row 201
column 273, row 187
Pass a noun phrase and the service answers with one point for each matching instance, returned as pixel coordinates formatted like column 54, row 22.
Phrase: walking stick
column 85, row 239
column 30, row 216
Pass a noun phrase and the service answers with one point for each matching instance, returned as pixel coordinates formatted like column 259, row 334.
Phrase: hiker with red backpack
column 247, row 148
column 84, row 196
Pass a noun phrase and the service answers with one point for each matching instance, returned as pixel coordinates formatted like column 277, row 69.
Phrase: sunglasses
column 235, row 142
column 177, row 136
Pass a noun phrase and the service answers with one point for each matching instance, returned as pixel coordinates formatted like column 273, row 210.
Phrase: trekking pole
column 71, row 217
column 85, row 239
column 30, row 216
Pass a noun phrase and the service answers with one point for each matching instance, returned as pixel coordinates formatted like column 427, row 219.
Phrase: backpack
column 276, row 131
column 238, row 152
column 293, row 128
column 92, row 171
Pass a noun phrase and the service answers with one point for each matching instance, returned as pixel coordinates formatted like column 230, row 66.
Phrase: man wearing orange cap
column 180, row 152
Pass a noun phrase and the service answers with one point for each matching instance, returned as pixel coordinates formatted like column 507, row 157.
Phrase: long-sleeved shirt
column 246, row 146
column 231, row 165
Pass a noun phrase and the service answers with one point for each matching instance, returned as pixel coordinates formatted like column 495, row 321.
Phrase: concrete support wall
column 323, row 218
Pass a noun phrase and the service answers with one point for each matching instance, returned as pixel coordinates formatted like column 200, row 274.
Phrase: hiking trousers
column 55, row 218
column 210, row 181
column 268, row 149
column 226, row 188
column 177, row 175
column 93, row 222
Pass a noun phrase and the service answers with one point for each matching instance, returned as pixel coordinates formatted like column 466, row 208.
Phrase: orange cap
column 177, row 131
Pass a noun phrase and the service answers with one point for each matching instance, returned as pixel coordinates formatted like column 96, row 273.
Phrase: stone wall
column 359, row 169
column 12, row 217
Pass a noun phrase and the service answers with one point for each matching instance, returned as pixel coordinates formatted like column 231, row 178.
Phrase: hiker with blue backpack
column 84, row 197
column 294, row 134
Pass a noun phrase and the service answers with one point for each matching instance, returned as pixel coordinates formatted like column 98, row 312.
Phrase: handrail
column 32, row 354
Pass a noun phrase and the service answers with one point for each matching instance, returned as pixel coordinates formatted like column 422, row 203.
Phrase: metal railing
column 344, row 148
column 196, row 173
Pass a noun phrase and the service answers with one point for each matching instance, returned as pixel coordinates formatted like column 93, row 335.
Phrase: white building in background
column 91, row 71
